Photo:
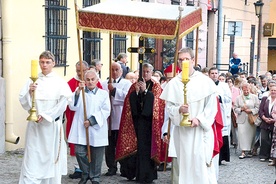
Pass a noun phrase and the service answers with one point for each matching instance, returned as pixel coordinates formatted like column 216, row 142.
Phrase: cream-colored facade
column 22, row 41
column 23, row 26
column 244, row 14
column 271, row 64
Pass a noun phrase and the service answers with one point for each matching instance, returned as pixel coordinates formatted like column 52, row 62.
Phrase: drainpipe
column 219, row 33
column 2, row 115
column 8, row 69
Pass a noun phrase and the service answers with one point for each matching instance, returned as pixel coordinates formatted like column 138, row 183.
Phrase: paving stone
column 237, row 171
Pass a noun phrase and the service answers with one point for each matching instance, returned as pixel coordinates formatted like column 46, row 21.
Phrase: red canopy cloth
column 139, row 18
column 217, row 129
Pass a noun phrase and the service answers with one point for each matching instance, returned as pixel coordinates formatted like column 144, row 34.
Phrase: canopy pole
column 196, row 49
column 177, row 40
column 110, row 79
column 180, row 8
column 82, row 90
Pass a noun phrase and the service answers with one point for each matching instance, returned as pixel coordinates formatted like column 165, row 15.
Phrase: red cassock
column 73, row 84
column 217, row 129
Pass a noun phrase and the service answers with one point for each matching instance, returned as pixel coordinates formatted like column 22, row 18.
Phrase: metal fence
column 225, row 67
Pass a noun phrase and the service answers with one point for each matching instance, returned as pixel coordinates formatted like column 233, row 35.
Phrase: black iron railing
column 225, row 67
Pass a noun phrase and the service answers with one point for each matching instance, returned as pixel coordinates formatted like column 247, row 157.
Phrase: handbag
column 258, row 121
column 252, row 118
column 234, row 119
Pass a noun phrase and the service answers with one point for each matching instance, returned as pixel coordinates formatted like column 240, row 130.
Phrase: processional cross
column 141, row 50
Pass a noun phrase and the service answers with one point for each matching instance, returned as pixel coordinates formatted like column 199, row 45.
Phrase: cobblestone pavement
column 246, row 171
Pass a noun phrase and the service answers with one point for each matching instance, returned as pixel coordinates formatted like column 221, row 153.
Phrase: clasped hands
column 268, row 120
column 185, row 109
column 246, row 110
column 140, row 86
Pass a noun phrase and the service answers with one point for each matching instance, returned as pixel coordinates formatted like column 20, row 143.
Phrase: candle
column 34, row 67
column 185, row 70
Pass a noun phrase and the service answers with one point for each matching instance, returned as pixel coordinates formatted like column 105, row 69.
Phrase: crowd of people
column 137, row 124
column 251, row 97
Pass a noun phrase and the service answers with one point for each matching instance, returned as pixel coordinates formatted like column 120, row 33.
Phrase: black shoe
column 110, row 173
column 75, row 175
column 83, row 181
column 161, row 167
column 123, row 175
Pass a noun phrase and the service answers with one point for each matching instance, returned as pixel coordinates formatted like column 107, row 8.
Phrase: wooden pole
column 177, row 41
column 174, row 73
column 196, row 49
column 83, row 92
column 110, row 79
column 167, row 145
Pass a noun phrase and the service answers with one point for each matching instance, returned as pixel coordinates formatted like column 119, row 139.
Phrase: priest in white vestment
column 194, row 144
column 45, row 156
column 118, row 89
column 97, row 111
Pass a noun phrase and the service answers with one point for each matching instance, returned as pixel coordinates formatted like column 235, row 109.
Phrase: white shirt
column 98, row 106
column 117, row 102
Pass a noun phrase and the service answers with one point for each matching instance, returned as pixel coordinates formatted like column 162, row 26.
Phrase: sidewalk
column 245, row 171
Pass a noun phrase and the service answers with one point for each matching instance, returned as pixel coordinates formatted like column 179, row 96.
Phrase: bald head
column 116, row 70
column 91, row 79
column 132, row 77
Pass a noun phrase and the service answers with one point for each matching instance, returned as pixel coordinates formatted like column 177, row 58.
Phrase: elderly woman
column 273, row 147
column 267, row 124
column 245, row 104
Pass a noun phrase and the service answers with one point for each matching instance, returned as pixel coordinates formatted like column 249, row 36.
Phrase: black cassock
column 141, row 165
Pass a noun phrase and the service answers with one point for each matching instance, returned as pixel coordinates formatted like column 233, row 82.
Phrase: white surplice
column 45, row 156
column 97, row 105
column 194, row 146
column 117, row 102
column 224, row 92
column 164, row 129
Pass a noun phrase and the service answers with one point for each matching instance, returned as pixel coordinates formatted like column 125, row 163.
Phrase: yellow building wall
column 272, row 15
column 23, row 41
column 240, row 12
column 272, row 53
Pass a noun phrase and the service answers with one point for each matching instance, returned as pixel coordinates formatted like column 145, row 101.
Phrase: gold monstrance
column 34, row 77
column 185, row 80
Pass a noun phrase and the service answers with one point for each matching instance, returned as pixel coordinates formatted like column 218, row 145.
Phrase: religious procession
column 140, row 124
column 139, row 97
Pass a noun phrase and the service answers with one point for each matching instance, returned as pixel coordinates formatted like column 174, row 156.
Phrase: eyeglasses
column 184, row 59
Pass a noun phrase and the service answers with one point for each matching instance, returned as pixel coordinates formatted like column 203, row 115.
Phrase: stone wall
column 2, row 115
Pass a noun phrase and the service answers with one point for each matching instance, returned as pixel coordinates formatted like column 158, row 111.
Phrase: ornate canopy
column 139, row 18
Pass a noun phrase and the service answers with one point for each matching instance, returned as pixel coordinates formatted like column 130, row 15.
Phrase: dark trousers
column 266, row 141
column 110, row 151
column 90, row 170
